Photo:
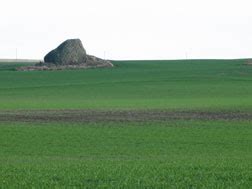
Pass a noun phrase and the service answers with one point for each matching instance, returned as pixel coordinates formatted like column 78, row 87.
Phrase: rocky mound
column 68, row 55
column 69, row 52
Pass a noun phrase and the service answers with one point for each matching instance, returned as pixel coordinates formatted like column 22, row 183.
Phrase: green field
column 176, row 153
column 204, row 84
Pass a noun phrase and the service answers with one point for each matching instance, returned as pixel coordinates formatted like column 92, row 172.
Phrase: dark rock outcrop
column 69, row 55
column 70, row 52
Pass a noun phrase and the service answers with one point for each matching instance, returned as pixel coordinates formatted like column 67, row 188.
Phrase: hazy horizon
column 131, row 30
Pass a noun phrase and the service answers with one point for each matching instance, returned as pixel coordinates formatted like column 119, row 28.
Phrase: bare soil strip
column 117, row 116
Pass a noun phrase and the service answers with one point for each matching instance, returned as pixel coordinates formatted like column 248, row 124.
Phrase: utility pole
column 16, row 54
column 104, row 55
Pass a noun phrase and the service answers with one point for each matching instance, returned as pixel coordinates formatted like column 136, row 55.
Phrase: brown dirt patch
column 117, row 116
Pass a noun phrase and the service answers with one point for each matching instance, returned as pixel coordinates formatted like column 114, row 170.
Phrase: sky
column 128, row 29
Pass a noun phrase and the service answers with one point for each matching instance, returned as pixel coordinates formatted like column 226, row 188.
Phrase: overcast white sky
column 128, row 29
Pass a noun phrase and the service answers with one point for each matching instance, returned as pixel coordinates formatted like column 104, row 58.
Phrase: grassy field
column 126, row 155
column 201, row 84
column 37, row 151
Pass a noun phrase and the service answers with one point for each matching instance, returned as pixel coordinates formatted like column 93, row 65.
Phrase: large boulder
column 70, row 52
column 69, row 55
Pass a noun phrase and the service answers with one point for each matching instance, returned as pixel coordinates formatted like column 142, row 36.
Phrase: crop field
column 132, row 85
column 141, row 124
